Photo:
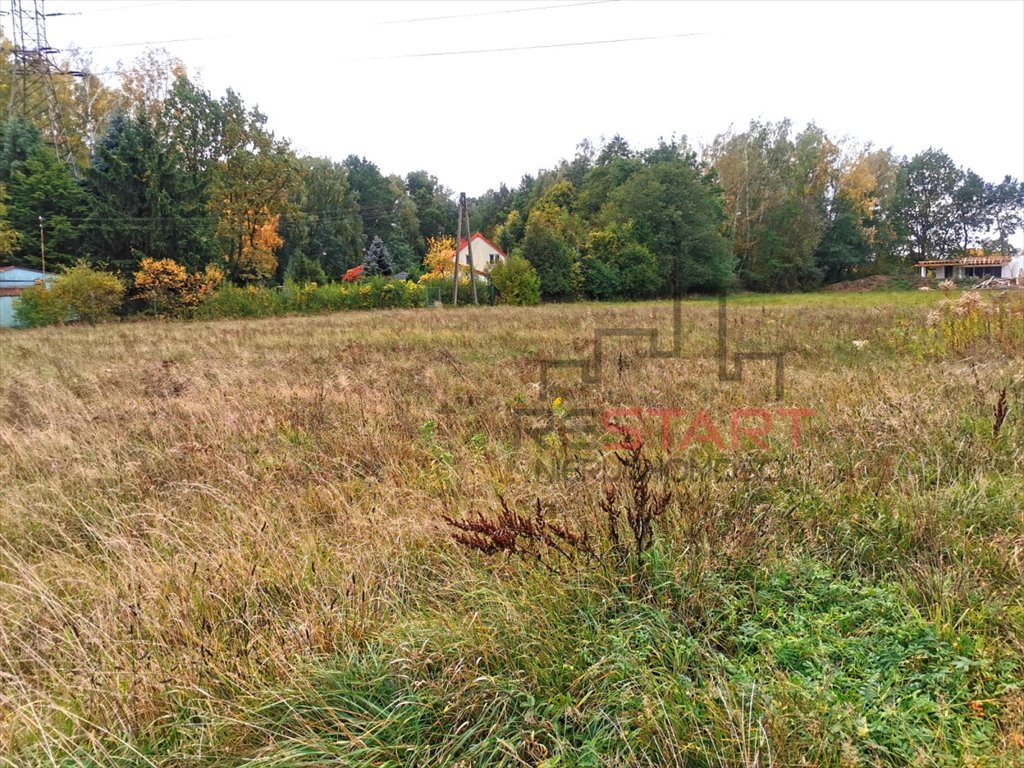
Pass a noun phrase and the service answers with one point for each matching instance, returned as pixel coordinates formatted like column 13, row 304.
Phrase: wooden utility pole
column 458, row 238
column 469, row 249
column 42, row 244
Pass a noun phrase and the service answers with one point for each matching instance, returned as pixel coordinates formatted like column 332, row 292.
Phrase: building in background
column 14, row 280
column 1000, row 266
column 485, row 254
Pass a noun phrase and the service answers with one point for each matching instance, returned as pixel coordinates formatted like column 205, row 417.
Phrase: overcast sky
column 339, row 77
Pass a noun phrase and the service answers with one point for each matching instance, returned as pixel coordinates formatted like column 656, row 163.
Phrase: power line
column 151, row 42
column 107, row 9
column 496, row 13
column 524, row 47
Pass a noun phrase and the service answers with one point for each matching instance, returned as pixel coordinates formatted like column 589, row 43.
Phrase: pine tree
column 378, row 259
column 139, row 201
column 43, row 193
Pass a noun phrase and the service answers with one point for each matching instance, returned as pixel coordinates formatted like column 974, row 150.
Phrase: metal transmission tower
column 33, row 94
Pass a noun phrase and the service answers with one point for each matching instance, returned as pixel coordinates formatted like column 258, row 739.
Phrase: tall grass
column 222, row 543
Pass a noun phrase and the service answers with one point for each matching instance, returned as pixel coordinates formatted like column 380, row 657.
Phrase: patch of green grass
column 780, row 665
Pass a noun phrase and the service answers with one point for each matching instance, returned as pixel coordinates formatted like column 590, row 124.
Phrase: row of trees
column 770, row 208
column 170, row 172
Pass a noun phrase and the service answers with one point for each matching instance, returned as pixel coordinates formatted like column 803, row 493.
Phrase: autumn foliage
column 253, row 243
column 168, row 287
column 353, row 274
column 439, row 262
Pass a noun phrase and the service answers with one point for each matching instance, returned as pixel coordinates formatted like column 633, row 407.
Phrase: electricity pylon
column 33, row 94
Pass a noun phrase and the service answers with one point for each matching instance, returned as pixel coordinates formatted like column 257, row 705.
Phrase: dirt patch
column 872, row 283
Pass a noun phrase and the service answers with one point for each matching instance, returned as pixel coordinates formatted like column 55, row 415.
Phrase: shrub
column 372, row 293
column 80, row 293
column 303, row 269
column 169, row 288
column 89, row 294
column 379, row 293
column 38, row 306
column 160, row 283
column 435, row 288
column 516, row 282
column 229, row 300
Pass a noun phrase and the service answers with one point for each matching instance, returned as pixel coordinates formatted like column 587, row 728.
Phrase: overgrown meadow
column 336, row 539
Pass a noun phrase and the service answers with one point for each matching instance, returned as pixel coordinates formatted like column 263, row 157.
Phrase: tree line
column 769, row 208
column 168, row 171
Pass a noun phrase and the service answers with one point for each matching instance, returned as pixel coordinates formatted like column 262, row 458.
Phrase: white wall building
column 981, row 267
column 485, row 253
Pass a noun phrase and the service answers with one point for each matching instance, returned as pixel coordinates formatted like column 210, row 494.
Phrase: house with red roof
column 485, row 254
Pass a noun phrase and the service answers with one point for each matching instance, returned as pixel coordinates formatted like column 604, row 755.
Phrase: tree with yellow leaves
column 439, row 262
column 146, row 84
column 168, row 287
column 249, row 192
column 260, row 242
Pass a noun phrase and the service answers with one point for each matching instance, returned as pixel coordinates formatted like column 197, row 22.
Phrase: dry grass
column 194, row 512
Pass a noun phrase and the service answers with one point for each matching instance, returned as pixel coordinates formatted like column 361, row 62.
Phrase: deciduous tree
column 439, row 263
column 250, row 191
column 924, row 211
column 551, row 240
column 676, row 210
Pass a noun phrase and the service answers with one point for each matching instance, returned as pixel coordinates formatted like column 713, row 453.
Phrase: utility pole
column 458, row 239
column 42, row 244
column 469, row 248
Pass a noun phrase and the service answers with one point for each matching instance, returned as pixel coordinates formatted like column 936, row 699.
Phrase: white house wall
column 1015, row 269
column 482, row 254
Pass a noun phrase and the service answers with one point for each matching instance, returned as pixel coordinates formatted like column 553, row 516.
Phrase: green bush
column 80, row 293
column 375, row 293
column 516, row 282
column 89, row 294
column 379, row 293
column 436, row 289
column 303, row 269
column 231, row 301
column 38, row 306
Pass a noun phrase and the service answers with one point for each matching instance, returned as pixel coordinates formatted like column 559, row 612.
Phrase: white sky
column 906, row 75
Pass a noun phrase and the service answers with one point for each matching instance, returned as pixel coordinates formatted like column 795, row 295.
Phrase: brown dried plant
column 624, row 524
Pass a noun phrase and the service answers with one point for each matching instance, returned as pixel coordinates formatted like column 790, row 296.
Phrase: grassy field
column 225, row 543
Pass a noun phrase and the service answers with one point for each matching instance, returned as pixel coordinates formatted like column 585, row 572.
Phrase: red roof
column 11, row 291
column 478, row 236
